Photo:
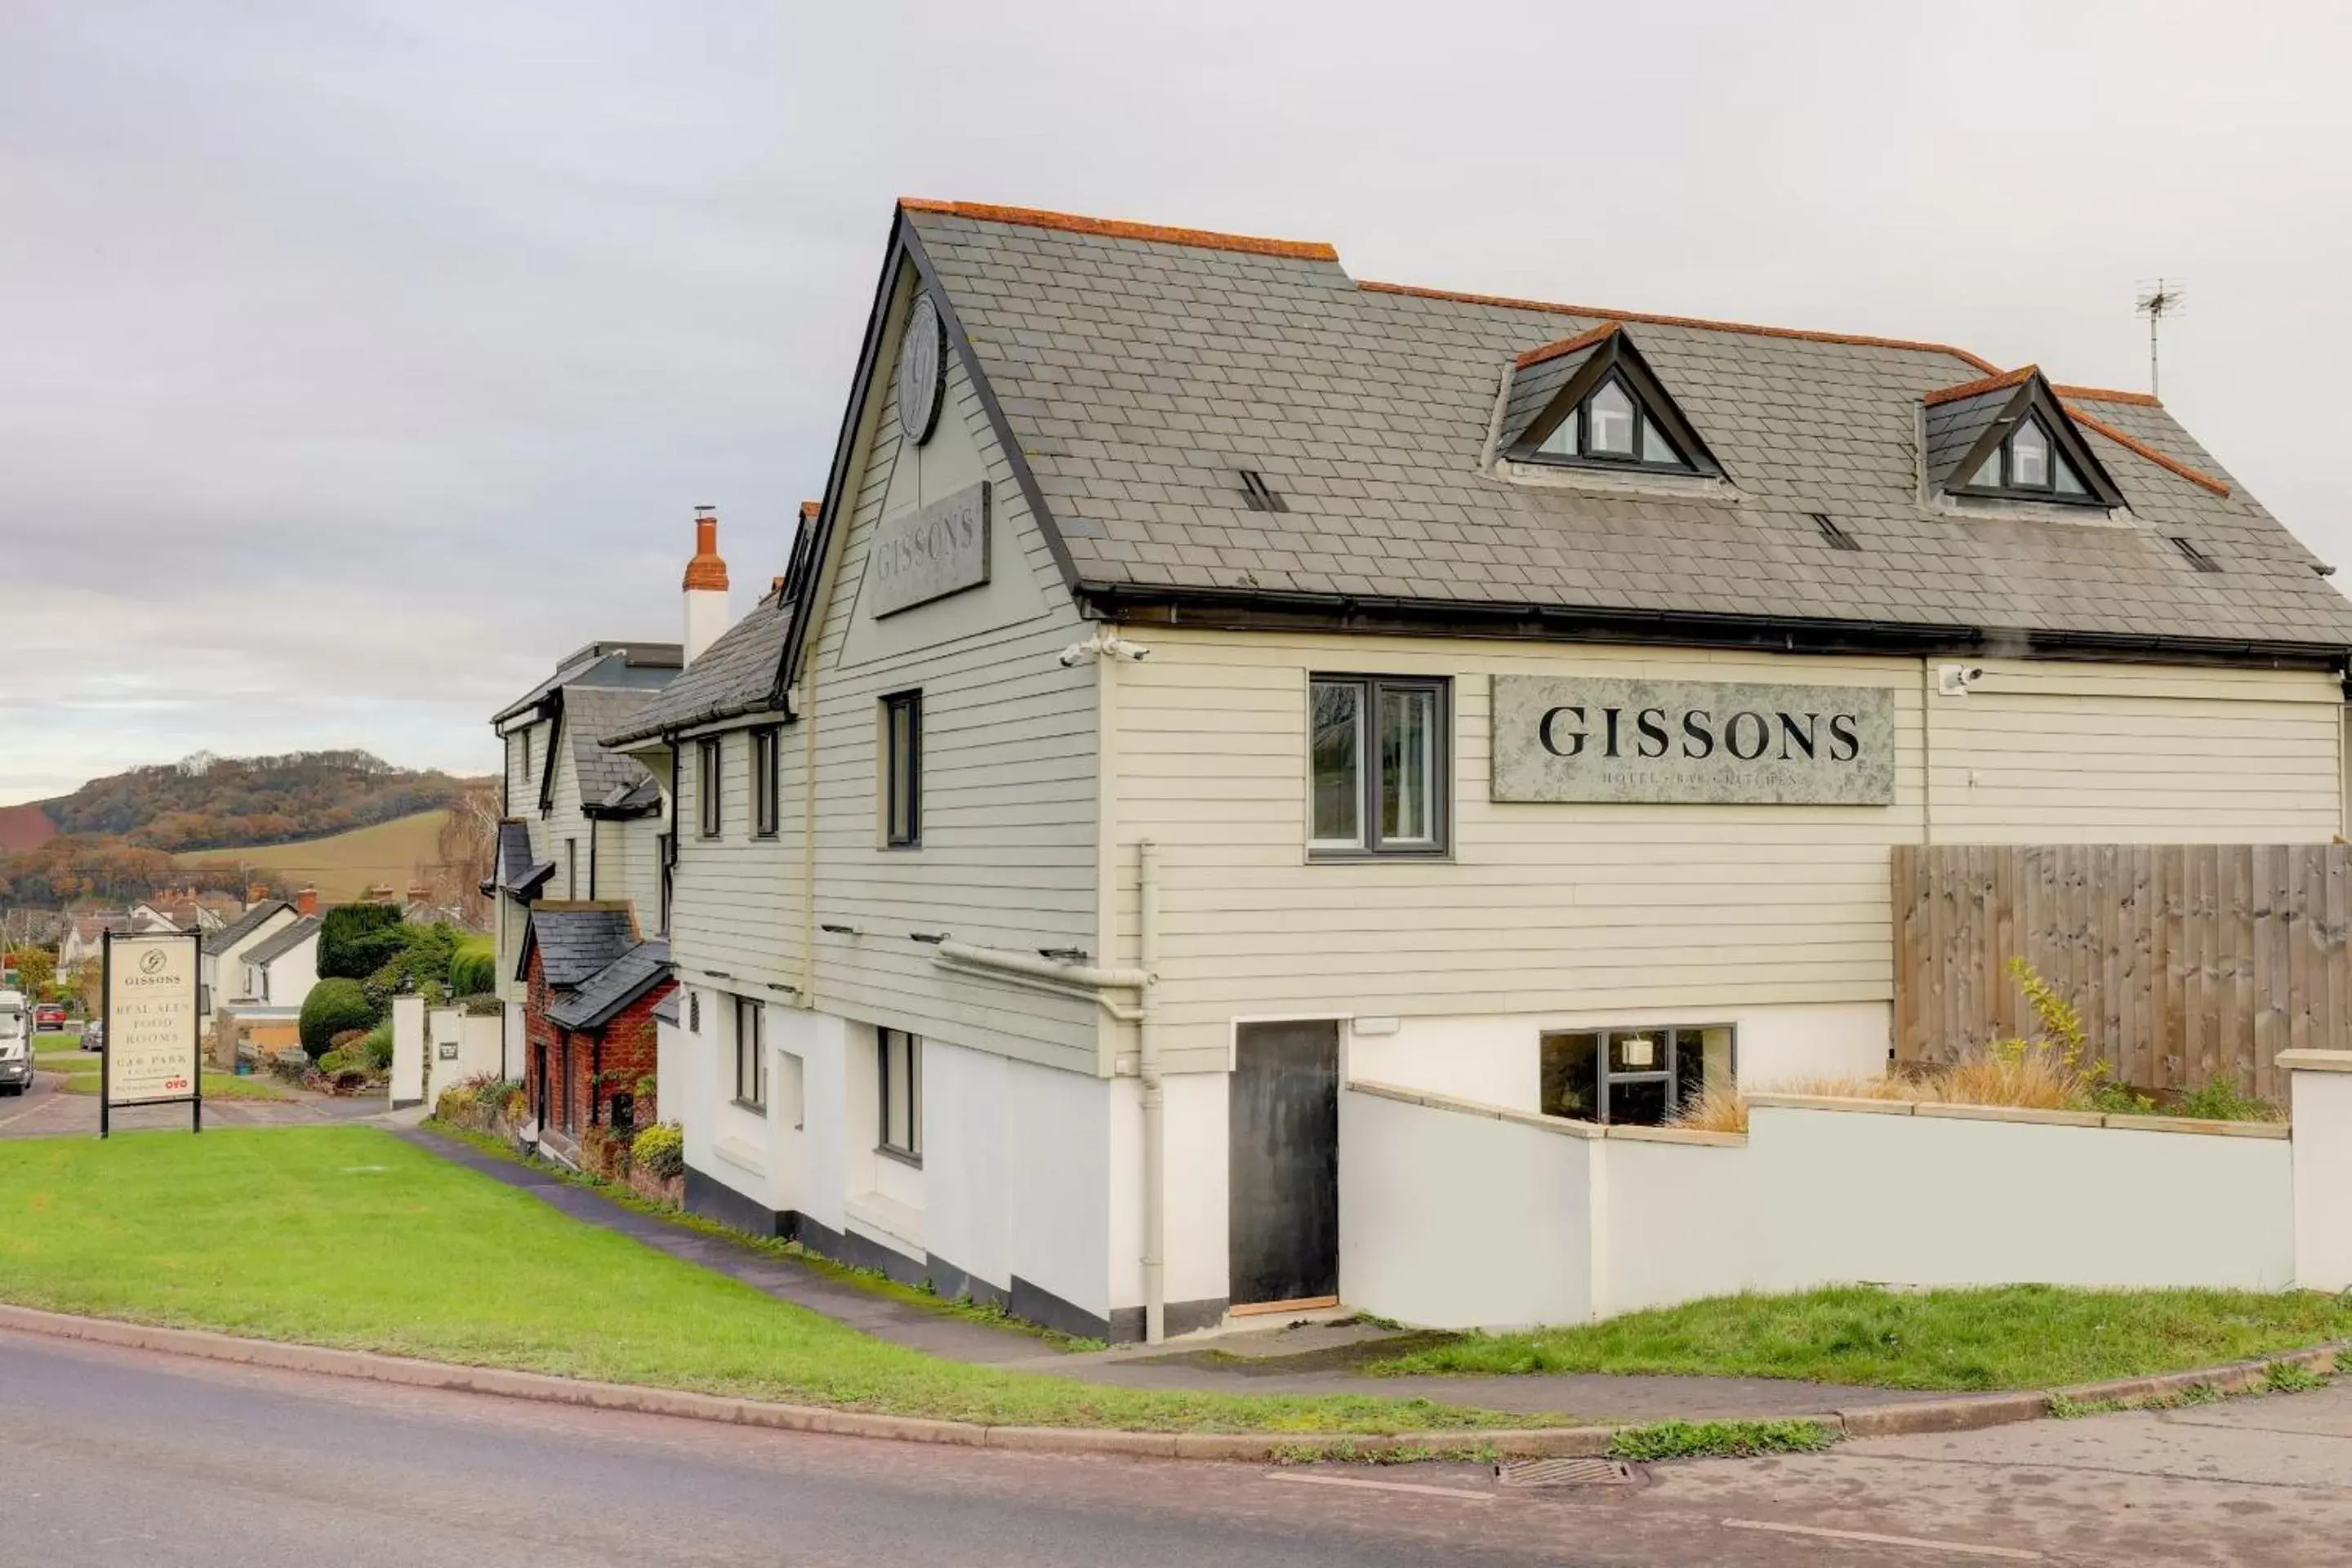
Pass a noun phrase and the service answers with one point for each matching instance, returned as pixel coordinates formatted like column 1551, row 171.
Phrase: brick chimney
column 706, row 587
column 306, row 902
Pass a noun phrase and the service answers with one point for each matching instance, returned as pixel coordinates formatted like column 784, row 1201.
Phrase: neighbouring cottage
column 1209, row 681
column 581, row 874
column 220, row 963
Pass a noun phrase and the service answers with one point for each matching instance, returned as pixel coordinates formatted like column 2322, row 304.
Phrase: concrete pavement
column 112, row 1457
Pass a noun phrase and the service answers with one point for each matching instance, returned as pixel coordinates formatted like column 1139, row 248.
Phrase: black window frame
column 767, row 750
column 1675, row 1040
column 752, row 1050
column 2097, row 488
column 911, row 1151
column 1645, row 421
column 1370, row 845
column 902, row 779
column 665, row 856
column 710, row 808
column 570, row 869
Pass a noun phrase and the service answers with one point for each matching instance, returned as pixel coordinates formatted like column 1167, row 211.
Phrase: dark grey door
column 1283, row 1174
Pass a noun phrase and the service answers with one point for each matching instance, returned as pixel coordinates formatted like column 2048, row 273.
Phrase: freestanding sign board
column 152, row 1026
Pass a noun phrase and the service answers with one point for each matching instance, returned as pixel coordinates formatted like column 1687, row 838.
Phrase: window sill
column 756, row 1108
column 889, row 1152
column 1360, row 857
column 889, row 1218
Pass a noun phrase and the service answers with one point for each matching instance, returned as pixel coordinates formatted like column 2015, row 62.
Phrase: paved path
column 45, row 1112
column 1261, row 1368
column 120, row 1456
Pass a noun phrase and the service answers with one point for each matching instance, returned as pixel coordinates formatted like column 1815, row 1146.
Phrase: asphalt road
column 122, row 1458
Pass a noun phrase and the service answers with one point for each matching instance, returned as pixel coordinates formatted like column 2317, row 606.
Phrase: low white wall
column 1456, row 1221
column 459, row 1045
column 1453, row 1215
column 2322, row 1098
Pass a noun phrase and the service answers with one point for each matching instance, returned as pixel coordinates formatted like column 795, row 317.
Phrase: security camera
column 1954, row 680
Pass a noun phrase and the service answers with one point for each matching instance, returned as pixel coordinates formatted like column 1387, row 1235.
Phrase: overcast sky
column 359, row 360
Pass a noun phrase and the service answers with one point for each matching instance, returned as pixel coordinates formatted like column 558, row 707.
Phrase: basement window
column 1634, row 1076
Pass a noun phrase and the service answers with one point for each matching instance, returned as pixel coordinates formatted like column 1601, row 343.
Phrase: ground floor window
column 1640, row 1076
column 751, row 1054
column 899, row 1058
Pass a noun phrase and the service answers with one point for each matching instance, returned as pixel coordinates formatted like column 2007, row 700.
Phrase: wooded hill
column 219, row 803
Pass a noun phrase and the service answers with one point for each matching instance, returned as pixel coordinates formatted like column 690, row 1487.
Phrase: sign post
column 152, row 1026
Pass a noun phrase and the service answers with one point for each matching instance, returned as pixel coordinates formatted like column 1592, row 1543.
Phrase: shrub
column 474, row 967
column 2219, row 1100
column 332, row 1007
column 660, row 1151
column 375, row 1048
column 421, row 964
column 356, row 940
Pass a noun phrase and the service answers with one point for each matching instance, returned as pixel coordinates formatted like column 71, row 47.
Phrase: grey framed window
column 1377, row 765
column 571, row 867
column 708, row 819
column 751, row 1054
column 767, row 747
column 898, row 1068
column 2029, row 461
column 665, row 856
column 1611, row 426
column 1639, row 1076
column 902, row 770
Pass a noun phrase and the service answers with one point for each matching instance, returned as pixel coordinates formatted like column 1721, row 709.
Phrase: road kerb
column 1869, row 1421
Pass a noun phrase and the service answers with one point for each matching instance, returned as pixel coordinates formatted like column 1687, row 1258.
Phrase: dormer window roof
column 2009, row 438
column 1593, row 401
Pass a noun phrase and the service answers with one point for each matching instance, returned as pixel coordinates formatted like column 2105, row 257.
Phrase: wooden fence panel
column 2188, row 962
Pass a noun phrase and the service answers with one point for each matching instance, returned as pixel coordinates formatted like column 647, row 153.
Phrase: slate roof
column 1138, row 375
column 602, row 995
column 666, row 1010
column 739, row 673
column 278, row 944
column 589, row 712
column 605, row 662
column 575, row 941
column 517, row 872
column 237, row 930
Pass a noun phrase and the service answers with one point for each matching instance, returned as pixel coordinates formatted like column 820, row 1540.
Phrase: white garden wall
column 1457, row 1215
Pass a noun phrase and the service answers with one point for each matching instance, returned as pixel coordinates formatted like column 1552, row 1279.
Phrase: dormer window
column 1612, row 424
column 2009, row 437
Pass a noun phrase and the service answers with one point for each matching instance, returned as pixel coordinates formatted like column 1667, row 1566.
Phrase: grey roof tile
column 739, row 673
column 590, row 714
column 278, row 944
column 601, row 997
column 574, row 942
column 1368, row 410
column 237, row 930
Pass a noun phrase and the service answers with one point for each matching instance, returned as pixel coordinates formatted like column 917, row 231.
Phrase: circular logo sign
column 920, row 354
column 152, row 961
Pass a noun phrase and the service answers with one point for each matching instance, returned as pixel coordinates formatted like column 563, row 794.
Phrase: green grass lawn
column 347, row 1237
column 2021, row 1336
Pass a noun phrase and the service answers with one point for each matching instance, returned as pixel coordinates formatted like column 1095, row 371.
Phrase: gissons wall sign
column 152, row 1024
column 930, row 551
column 1696, row 741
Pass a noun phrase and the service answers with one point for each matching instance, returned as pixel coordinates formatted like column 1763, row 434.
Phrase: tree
column 36, row 967
column 333, row 1006
column 356, row 940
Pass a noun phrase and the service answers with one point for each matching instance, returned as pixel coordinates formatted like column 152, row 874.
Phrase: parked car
column 93, row 1037
column 49, row 1016
column 16, row 1045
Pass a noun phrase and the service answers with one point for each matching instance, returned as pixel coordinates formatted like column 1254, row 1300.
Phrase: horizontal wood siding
column 1581, row 908
column 1009, row 800
column 2186, row 962
column 736, row 903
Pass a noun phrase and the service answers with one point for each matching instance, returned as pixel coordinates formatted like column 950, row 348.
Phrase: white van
column 15, row 1043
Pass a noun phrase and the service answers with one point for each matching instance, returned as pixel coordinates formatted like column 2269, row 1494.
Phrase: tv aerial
column 2159, row 301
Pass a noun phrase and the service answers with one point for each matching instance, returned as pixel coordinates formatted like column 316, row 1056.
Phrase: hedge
column 333, row 1006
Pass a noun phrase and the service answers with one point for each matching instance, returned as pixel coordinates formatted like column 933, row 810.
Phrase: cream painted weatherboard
column 1579, row 911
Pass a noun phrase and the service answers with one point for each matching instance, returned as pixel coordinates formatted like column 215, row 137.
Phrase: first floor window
column 750, row 1053
column 902, row 770
column 571, row 867
column 1376, row 763
column 705, row 787
column 901, row 1065
column 766, row 749
column 666, row 854
column 1640, row 1076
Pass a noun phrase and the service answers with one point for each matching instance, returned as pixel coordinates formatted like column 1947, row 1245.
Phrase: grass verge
column 2021, row 1336
column 347, row 1237
column 81, row 1071
column 1719, row 1439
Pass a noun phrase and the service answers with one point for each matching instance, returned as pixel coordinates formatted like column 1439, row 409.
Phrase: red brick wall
column 630, row 1051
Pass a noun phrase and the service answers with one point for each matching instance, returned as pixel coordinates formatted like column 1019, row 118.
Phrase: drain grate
column 1576, row 1472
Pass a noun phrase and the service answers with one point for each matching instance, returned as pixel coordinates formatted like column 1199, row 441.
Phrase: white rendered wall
column 967, row 1128
column 1497, row 1059
column 1454, row 1217
column 1062, row 1178
column 478, row 1041
column 1199, row 1264
column 1453, row 1221
column 670, row 1077
column 820, row 1181
column 2323, row 1178
column 408, row 1049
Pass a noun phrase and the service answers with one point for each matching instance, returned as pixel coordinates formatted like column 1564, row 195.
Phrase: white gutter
column 1144, row 981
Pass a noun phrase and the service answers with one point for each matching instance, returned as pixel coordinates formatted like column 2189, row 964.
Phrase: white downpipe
column 1155, row 1101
